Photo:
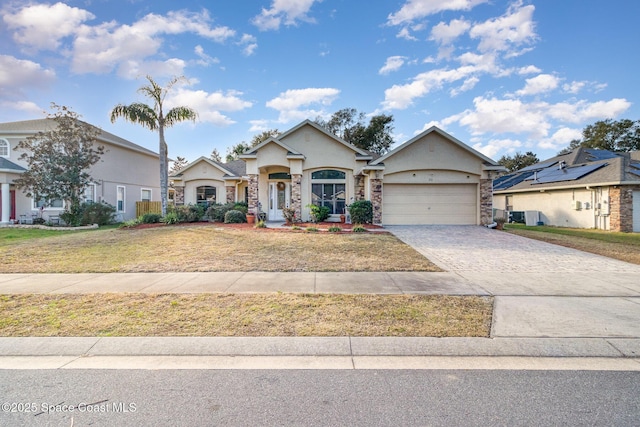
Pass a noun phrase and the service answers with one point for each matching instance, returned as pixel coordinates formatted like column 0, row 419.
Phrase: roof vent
column 562, row 165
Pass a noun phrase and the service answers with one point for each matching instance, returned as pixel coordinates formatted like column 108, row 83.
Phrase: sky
column 501, row 76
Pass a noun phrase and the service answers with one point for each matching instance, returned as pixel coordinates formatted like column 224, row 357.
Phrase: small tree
column 518, row 161
column 177, row 164
column 59, row 160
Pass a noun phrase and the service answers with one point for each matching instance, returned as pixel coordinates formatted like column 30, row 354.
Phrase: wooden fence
column 148, row 207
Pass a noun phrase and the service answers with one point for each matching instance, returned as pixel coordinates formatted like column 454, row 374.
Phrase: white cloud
column 290, row 103
column 446, row 33
column 560, row 139
column 288, row 12
column 529, row 69
column 42, row 26
column 495, row 146
column 468, row 84
column 417, row 9
column 405, row 34
column 28, row 107
column 393, row 63
column 514, row 29
column 259, row 125
column 539, row 84
column 19, row 73
column 209, row 105
column 581, row 111
column 133, row 69
column 205, row 60
column 250, row 44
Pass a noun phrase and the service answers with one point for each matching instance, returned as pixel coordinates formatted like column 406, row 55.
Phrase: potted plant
column 499, row 222
column 251, row 217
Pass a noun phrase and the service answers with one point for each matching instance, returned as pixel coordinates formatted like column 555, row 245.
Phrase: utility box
column 531, row 217
column 576, row 205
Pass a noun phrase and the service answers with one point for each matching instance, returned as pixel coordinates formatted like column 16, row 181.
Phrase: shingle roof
column 578, row 168
column 43, row 125
column 8, row 165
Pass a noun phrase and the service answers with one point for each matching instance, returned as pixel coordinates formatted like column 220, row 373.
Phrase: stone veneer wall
column 231, row 193
column 621, row 208
column 179, row 196
column 376, row 200
column 253, row 193
column 358, row 192
column 296, row 194
column 486, row 201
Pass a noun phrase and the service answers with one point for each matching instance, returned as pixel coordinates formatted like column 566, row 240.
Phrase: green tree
column 154, row 119
column 234, row 151
column 622, row 135
column 518, row 161
column 349, row 125
column 178, row 164
column 59, row 160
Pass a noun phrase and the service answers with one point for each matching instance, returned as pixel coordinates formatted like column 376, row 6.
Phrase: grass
column 202, row 248
column 622, row 246
column 244, row 315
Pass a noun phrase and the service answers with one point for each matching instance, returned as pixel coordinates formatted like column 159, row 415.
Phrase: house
column 586, row 188
column 430, row 179
column 127, row 173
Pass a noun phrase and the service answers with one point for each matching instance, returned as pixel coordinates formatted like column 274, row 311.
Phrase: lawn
column 244, row 315
column 622, row 246
column 203, row 248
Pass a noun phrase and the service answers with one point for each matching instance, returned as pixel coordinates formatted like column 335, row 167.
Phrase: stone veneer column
column 231, row 193
column 486, row 201
column 358, row 191
column 621, row 209
column 179, row 196
column 296, row 194
column 376, row 200
column 253, row 193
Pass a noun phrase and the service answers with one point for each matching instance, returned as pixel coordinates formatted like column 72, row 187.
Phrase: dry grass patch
column 209, row 248
column 244, row 315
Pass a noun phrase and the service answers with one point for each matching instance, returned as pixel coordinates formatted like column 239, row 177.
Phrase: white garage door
column 636, row 211
column 451, row 204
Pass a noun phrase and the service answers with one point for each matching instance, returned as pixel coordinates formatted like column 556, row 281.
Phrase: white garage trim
column 450, row 204
column 636, row 211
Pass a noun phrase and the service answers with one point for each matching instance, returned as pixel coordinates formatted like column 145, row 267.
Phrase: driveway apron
column 540, row 289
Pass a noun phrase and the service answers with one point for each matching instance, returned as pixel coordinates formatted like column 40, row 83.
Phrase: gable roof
column 360, row 153
column 230, row 170
column 488, row 163
column 578, row 168
column 7, row 165
column 30, row 127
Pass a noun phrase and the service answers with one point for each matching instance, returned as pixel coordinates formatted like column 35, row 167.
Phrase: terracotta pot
column 342, row 218
column 251, row 218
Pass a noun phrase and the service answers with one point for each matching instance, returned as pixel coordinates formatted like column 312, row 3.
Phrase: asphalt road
column 319, row 398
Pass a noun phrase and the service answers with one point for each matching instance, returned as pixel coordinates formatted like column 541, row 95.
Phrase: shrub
column 358, row 229
column 131, row 223
column 361, row 212
column 311, row 229
column 242, row 207
column 234, row 217
column 98, row 213
column 289, row 215
column 335, row 229
column 188, row 213
column 217, row 211
column 295, row 227
column 260, row 224
column 171, row 218
column 319, row 213
column 151, row 218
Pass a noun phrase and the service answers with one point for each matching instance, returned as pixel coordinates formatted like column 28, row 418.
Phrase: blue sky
column 502, row 76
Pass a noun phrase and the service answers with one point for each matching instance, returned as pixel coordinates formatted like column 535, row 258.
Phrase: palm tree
column 154, row 119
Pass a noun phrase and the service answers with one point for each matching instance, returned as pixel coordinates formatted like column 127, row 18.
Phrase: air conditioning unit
column 576, row 205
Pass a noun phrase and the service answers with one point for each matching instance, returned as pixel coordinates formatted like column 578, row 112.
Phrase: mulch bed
column 322, row 226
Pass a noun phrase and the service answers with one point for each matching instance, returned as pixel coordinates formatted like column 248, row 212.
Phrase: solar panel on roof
column 601, row 154
column 510, row 181
column 566, row 174
column 538, row 166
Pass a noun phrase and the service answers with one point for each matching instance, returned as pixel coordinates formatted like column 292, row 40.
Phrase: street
column 319, row 397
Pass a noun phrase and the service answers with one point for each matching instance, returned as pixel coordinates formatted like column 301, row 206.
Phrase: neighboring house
column 430, row 179
column 586, row 188
column 127, row 173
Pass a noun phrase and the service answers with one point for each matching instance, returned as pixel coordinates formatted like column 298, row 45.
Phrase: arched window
column 328, row 189
column 4, row 148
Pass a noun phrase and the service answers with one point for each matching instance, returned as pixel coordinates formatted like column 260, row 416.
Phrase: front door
column 279, row 198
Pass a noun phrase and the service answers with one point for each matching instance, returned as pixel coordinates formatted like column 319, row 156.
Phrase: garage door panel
column 429, row 204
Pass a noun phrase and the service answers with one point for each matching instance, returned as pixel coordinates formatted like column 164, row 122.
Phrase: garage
column 447, row 204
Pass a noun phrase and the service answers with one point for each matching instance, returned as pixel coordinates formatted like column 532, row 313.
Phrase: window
column 279, row 175
column 145, row 195
column 328, row 188
column 206, row 195
column 90, row 193
column 55, row 204
column 4, row 148
column 120, row 199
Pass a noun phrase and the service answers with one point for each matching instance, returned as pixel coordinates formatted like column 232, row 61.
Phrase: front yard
column 203, row 248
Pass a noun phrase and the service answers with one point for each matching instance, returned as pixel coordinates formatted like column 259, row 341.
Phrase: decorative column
column 376, row 199
column 179, row 196
column 296, row 194
column 486, row 201
column 358, row 191
column 231, row 193
column 253, row 193
column 6, row 203
column 621, row 209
